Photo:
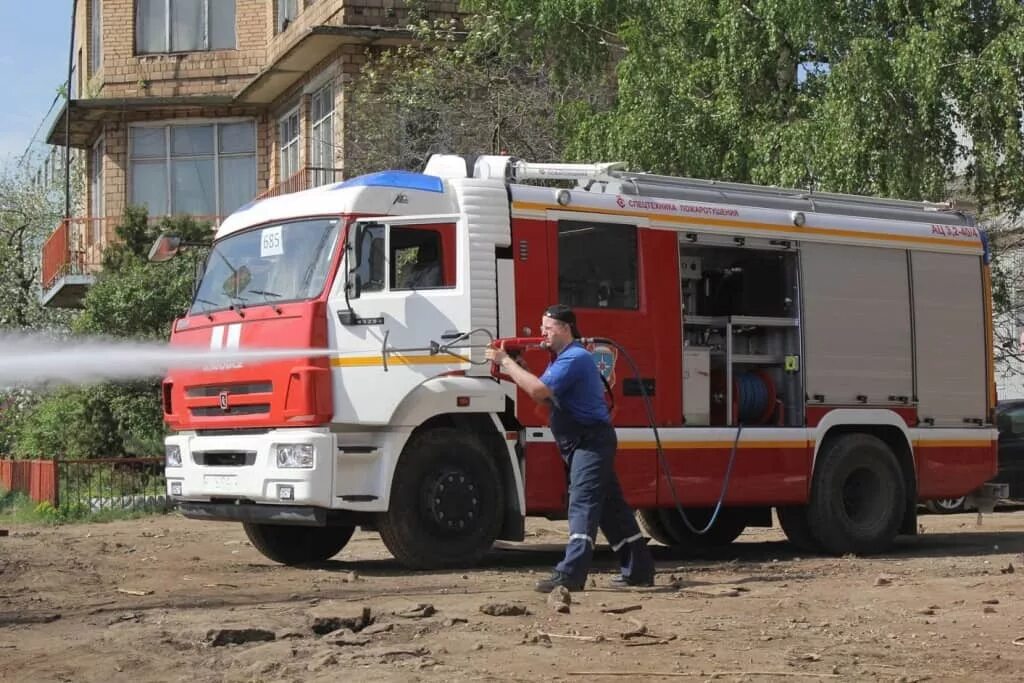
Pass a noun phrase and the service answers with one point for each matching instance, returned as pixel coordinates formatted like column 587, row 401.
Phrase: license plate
column 220, row 483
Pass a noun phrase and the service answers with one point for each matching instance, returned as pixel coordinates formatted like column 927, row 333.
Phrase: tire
column 794, row 523
column 947, row 506
column 447, row 502
column 858, row 496
column 727, row 528
column 293, row 545
column 650, row 523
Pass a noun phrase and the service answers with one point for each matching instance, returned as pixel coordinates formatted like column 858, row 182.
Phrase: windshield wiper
column 265, row 293
column 210, row 304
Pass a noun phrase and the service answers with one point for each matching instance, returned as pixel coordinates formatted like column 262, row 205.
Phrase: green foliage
column 68, row 423
column 862, row 97
column 453, row 91
column 135, row 298
column 132, row 298
column 18, row 508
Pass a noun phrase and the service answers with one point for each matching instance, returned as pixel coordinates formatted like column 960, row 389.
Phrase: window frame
column 285, row 18
column 96, row 189
column 588, row 223
column 96, row 37
column 217, row 155
column 204, row 31
column 445, row 242
column 295, row 142
column 323, row 169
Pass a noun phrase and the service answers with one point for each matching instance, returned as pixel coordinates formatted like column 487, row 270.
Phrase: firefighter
column 573, row 388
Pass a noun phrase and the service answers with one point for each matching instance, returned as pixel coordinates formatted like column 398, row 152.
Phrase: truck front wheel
column 446, row 502
column 292, row 545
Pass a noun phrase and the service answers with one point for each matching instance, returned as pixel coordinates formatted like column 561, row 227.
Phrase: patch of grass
column 17, row 508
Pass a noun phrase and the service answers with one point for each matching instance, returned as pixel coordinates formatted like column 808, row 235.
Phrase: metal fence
column 85, row 487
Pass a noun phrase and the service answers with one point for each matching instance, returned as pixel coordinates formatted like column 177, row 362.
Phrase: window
column 322, row 135
column 283, row 262
column 184, row 25
column 96, row 37
column 287, row 10
column 200, row 169
column 421, row 257
column 597, row 265
column 288, row 139
column 96, row 190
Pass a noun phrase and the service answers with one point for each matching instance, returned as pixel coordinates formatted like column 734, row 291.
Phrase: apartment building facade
column 199, row 106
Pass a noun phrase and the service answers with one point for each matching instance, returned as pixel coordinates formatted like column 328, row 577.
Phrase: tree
column 454, row 89
column 899, row 98
column 29, row 212
column 133, row 299
column 890, row 98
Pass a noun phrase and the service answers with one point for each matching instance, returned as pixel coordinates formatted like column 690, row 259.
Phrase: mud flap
column 985, row 497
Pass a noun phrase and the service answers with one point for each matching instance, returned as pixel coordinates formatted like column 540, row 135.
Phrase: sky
column 33, row 64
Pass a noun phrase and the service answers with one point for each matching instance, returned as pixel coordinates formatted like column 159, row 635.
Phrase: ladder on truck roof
column 614, row 178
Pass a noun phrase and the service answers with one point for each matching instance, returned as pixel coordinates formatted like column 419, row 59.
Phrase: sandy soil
column 166, row 599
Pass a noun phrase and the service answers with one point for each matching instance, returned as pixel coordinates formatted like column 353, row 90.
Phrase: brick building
column 198, row 106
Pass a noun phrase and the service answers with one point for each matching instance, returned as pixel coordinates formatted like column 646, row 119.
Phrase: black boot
column 637, row 565
column 621, row 581
column 557, row 579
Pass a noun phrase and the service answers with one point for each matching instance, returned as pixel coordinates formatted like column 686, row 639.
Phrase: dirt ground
column 166, row 599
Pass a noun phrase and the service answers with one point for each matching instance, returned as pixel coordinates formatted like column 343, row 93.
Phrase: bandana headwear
column 563, row 313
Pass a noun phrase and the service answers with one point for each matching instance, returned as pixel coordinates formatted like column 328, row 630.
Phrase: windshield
column 283, row 262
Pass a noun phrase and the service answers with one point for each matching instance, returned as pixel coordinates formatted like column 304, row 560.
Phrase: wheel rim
column 950, row 503
column 863, row 497
column 451, row 501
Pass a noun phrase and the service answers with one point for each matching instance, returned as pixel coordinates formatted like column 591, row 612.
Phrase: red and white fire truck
column 834, row 349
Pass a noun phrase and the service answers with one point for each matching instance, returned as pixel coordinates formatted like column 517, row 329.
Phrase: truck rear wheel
column 794, row 523
column 651, row 524
column 858, row 496
column 727, row 528
column 289, row 544
column 446, row 502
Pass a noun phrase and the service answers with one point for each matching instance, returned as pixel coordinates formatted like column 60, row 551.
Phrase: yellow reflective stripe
column 695, row 445
column 396, row 359
column 750, row 225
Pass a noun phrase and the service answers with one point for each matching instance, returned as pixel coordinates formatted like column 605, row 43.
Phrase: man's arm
column 525, row 379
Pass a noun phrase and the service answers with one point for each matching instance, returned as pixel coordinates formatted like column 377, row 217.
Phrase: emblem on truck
column 223, row 399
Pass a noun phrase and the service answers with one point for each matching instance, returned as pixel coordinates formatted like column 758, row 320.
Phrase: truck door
column 411, row 292
column 619, row 276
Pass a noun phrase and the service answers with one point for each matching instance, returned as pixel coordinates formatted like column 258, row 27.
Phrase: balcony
column 73, row 254
column 68, row 264
column 305, row 178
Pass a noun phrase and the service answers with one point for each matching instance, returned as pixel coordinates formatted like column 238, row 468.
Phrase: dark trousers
column 596, row 500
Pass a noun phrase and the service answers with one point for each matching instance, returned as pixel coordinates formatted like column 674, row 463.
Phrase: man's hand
column 496, row 355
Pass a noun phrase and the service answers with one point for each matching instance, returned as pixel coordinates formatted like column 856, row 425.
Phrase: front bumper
column 244, row 467
column 297, row 515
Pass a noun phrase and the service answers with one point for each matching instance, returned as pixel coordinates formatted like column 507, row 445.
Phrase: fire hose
column 518, row 344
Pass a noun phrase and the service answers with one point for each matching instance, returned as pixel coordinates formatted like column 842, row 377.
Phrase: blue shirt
column 575, row 381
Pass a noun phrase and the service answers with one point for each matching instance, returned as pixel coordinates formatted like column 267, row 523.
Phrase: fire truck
column 823, row 356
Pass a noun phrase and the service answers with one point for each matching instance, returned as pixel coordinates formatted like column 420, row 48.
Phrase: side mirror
column 165, row 248
column 353, row 281
column 354, row 285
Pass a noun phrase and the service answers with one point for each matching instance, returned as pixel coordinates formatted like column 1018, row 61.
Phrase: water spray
column 32, row 360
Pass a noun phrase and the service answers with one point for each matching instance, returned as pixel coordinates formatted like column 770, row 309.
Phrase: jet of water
column 27, row 360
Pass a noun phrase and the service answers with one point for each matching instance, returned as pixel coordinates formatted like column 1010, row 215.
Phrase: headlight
column 294, row 455
column 172, row 456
